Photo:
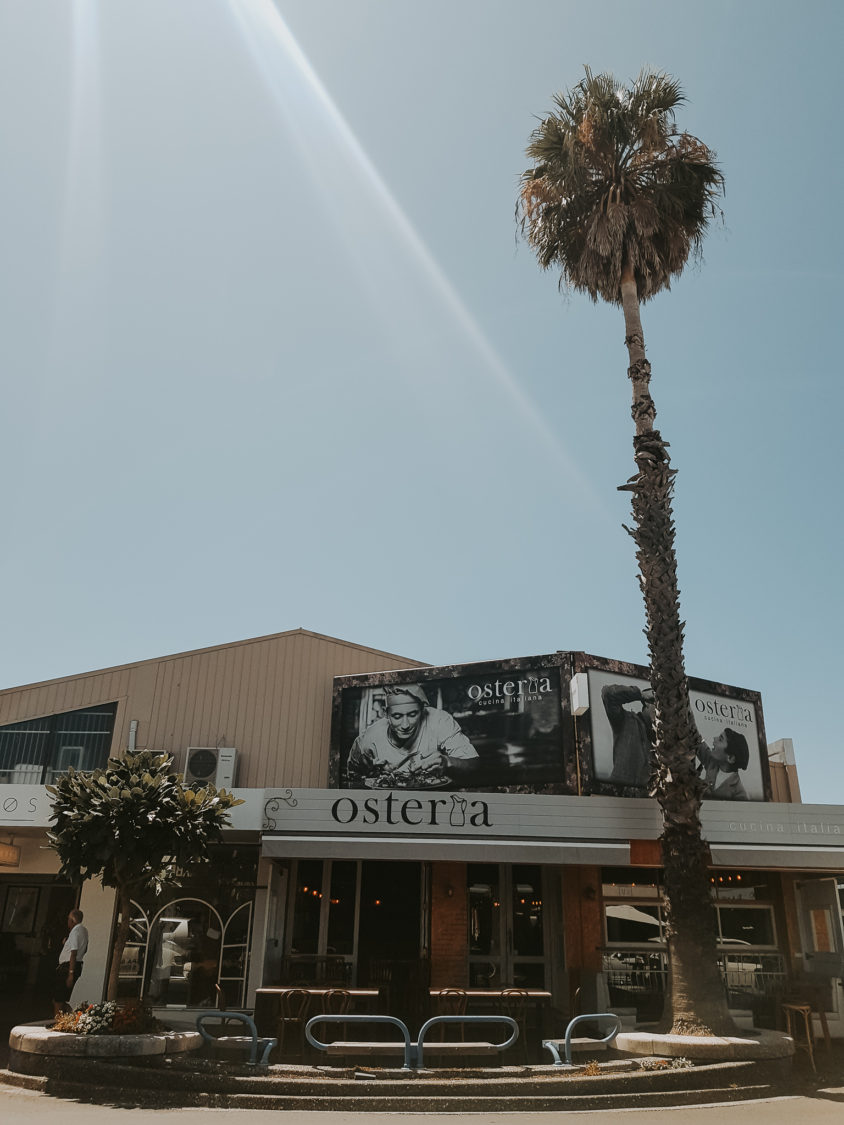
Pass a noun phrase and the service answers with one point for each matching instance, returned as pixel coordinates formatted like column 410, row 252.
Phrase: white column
column 97, row 905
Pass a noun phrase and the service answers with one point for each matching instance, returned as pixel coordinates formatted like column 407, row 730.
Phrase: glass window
column 208, row 917
column 184, row 957
column 743, row 886
column 506, row 938
column 38, row 750
column 307, row 906
column 341, row 908
column 633, row 925
column 527, row 911
column 484, row 909
column 746, row 925
column 133, row 961
column 631, row 882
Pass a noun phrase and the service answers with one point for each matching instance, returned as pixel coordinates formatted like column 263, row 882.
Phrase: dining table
column 268, row 1002
column 484, row 1001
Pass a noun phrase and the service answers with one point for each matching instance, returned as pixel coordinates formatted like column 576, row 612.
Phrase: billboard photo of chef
column 413, row 745
column 728, row 757
column 494, row 728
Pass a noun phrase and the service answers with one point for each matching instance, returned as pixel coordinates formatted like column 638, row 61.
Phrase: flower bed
column 108, row 1018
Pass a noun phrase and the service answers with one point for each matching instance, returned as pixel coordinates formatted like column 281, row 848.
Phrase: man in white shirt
column 70, row 962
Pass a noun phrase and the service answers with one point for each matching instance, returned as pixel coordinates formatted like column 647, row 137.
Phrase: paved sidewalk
column 826, row 1107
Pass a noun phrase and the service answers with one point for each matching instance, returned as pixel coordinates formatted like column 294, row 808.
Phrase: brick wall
column 449, row 926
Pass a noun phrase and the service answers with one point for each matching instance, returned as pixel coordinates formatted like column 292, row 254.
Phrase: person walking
column 71, row 957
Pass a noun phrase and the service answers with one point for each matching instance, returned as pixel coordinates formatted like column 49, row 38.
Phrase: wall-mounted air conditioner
column 211, row 763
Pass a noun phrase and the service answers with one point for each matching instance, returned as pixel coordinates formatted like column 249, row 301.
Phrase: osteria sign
column 518, row 816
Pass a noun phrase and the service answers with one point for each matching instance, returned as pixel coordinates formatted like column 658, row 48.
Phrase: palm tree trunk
column 121, row 936
column 695, row 1001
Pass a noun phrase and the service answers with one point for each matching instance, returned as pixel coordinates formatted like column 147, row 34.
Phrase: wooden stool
column 792, row 1011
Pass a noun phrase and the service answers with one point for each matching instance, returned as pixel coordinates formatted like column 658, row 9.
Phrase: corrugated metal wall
column 269, row 697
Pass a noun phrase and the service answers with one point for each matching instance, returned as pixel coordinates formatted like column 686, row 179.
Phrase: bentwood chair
column 514, row 1001
column 452, row 1002
column 335, row 1002
column 293, row 1011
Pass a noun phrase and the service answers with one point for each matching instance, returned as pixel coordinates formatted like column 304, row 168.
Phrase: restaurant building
column 407, row 829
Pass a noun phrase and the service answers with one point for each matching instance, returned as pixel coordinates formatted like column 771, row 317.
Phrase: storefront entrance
column 820, row 906
column 33, row 927
column 361, row 922
column 506, row 930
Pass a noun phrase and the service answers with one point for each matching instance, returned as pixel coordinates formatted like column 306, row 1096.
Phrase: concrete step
column 380, row 1100
column 456, row 1091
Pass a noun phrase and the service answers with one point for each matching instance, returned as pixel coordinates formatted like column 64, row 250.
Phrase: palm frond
column 614, row 184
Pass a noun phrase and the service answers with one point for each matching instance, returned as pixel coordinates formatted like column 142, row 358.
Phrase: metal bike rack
column 553, row 1044
column 257, row 1040
column 413, row 1050
column 392, row 1021
column 435, row 1020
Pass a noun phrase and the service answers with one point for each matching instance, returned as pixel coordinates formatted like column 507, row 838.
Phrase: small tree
column 133, row 825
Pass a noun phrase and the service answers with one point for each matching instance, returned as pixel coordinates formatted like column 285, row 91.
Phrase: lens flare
column 339, row 167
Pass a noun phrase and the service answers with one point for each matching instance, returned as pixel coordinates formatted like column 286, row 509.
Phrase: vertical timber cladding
column 613, row 735
column 503, row 726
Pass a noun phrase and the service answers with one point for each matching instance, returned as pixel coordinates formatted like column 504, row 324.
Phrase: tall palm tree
column 618, row 199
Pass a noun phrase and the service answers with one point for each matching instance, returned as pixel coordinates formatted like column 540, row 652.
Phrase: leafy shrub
column 108, row 1018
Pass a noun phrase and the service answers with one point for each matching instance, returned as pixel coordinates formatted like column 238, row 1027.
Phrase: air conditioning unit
column 215, row 764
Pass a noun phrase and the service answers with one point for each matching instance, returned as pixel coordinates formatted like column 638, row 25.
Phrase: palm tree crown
column 615, row 187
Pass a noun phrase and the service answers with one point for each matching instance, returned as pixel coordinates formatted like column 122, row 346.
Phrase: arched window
column 235, row 960
column 133, row 961
column 183, row 963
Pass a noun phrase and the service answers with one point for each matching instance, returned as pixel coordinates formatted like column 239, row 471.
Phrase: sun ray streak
column 317, row 124
column 77, row 323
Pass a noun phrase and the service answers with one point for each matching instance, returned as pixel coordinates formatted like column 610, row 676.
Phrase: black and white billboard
column 732, row 757
column 510, row 725
column 496, row 725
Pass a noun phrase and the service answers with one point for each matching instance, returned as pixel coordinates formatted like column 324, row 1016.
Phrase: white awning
column 460, row 849
column 456, row 849
column 779, row 856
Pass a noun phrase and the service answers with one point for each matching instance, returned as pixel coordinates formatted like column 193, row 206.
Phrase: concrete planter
column 36, row 1039
column 760, row 1045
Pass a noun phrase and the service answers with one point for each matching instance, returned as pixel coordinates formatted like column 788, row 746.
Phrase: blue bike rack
column 553, row 1044
column 439, row 1020
column 392, row 1021
column 257, row 1041
column 413, row 1050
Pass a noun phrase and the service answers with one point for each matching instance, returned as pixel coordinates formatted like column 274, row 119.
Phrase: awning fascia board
column 455, row 850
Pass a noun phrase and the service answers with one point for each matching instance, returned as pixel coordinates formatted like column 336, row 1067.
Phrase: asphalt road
column 826, row 1107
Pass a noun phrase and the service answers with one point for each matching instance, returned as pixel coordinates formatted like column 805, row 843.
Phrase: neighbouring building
column 474, row 826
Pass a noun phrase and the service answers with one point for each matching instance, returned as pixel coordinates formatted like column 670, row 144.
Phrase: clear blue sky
column 272, row 355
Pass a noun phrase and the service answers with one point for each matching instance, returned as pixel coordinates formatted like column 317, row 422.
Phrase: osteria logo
column 494, row 693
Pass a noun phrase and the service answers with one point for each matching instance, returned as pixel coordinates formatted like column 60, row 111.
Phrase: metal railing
column 646, row 971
